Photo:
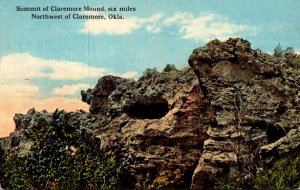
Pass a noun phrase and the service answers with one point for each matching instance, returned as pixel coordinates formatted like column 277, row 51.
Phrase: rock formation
column 234, row 111
column 255, row 97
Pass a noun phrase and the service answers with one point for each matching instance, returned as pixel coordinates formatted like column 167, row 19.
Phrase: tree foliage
column 60, row 158
column 280, row 53
column 169, row 68
column 169, row 179
column 149, row 73
column 285, row 174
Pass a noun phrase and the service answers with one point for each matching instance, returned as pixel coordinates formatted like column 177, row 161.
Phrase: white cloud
column 19, row 93
column 70, row 89
column 152, row 19
column 121, row 26
column 24, row 65
column 129, row 74
column 206, row 27
column 117, row 27
column 178, row 17
column 153, row 29
column 18, row 90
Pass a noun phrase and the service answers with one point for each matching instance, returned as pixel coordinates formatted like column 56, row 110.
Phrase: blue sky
column 44, row 59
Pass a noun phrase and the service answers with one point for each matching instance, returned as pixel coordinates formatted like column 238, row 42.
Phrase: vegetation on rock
column 284, row 174
column 169, row 68
column 60, row 158
column 280, row 53
column 149, row 73
column 169, row 179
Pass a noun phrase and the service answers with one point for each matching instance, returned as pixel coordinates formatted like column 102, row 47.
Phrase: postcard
column 160, row 84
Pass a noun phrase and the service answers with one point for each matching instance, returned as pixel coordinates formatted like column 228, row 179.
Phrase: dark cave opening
column 275, row 133
column 147, row 107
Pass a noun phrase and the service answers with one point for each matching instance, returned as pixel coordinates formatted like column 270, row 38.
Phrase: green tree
column 169, row 68
column 278, row 52
column 61, row 158
column 289, row 50
column 149, row 73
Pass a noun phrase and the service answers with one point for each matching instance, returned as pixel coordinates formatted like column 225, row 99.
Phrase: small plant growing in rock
column 293, row 60
column 169, row 68
column 149, row 73
column 280, row 53
column 169, row 179
column 143, row 182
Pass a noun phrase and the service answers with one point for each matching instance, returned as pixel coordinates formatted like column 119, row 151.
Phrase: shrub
column 293, row 60
column 149, row 73
column 285, row 174
column 278, row 52
column 289, row 51
column 169, row 179
column 169, row 68
column 61, row 158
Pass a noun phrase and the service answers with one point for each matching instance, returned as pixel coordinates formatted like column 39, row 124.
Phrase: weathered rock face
column 97, row 97
column 159, row 124
column 152, row 125
column 19, row 142
column 236, row 110
column 256, row 102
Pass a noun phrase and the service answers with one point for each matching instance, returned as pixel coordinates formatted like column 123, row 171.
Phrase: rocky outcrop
column 253, row 94
column 19, row 142
column 152, row 125
column 158, row 125
column 97, row 97
column 235, row 110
